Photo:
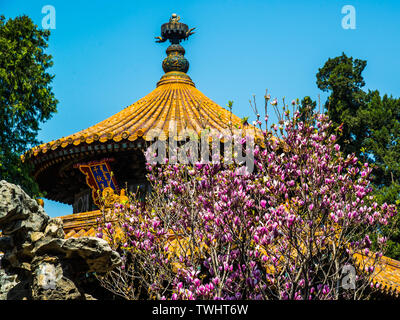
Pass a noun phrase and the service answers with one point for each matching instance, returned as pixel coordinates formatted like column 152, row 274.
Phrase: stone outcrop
column 37, row 262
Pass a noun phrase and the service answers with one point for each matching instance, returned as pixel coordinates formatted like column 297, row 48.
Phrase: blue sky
column 105, row 57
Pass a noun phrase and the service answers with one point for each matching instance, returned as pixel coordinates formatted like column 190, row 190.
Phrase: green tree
column 26, row 97
column 342, row 77
column 382, row 146
column 382, row 137
column 370, row 128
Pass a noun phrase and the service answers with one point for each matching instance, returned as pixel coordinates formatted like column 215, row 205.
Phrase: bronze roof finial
column 175, row 32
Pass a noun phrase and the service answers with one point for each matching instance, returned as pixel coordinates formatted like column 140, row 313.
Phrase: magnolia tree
column 297, row 226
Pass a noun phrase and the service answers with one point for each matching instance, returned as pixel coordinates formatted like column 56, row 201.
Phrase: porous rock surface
column 36, row 262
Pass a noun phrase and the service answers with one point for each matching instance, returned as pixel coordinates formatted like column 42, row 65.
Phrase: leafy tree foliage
column 381, row 144
column 342, row 77
column 26, row 97
column 370, row 125
column 382, row 137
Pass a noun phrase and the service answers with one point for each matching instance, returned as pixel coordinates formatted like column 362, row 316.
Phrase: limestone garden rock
column 37, row 262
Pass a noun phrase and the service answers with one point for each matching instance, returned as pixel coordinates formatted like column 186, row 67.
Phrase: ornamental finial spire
column 175, row 32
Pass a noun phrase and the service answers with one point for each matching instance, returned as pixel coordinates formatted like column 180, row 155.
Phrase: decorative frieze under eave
column 43, row 162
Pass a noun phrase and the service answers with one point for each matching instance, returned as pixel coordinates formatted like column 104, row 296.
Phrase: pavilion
column 110, row 154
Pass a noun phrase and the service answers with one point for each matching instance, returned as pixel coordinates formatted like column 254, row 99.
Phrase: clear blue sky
column 105, row 57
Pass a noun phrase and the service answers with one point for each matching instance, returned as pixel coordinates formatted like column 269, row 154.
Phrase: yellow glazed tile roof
column 81, row 224
column 175, row 103
column 386, row 274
